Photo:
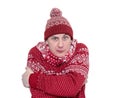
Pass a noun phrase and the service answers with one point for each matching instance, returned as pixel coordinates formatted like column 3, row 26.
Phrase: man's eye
column 54, row 38
column 65, row 37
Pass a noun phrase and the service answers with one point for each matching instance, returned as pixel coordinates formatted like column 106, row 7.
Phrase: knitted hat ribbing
column 57, row 24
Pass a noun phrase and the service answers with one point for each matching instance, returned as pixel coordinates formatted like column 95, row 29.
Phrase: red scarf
column 51, row 58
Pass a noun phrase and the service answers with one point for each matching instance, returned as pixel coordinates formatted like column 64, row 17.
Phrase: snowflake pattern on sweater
column 53, row 60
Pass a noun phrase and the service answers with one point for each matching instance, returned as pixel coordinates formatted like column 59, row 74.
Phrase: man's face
column 59, row 44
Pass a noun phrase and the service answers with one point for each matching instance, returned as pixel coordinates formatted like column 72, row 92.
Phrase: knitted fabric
column 57, row 24
column 66, row 80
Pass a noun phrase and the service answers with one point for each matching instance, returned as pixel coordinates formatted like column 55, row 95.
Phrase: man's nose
column 60, row 44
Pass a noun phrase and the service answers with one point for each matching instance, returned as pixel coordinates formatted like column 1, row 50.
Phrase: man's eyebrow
column 65, row 35
column 54, row 36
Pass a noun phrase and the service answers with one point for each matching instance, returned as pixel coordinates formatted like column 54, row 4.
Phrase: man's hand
column 25, row 77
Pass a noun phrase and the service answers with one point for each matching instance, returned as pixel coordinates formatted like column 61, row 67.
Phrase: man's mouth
column 60, row 51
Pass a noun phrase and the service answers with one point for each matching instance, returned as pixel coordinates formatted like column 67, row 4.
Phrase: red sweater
column 64, row 81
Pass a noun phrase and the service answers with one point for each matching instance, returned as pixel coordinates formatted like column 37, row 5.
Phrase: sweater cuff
column 33, row 80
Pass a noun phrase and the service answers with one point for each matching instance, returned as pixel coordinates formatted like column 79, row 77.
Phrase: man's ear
column 46, row 42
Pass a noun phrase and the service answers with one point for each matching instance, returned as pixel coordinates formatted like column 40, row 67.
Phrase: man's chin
column 60, row 55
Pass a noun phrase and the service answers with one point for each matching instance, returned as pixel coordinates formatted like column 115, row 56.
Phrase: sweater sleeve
column 63, row 85
column 68, row 84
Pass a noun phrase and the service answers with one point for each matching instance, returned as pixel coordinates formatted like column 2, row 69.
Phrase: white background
column 95, row 23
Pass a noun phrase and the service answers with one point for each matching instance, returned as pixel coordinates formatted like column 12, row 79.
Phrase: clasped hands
column 25, row 77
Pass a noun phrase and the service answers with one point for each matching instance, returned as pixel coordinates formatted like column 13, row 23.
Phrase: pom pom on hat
column 55, row 12
column 57, row 24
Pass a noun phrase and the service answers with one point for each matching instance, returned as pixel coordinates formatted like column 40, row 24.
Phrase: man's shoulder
column 34, row 48
column 82, row 48
column 82, row 45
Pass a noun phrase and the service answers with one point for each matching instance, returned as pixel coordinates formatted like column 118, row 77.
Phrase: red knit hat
column 57, row 24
